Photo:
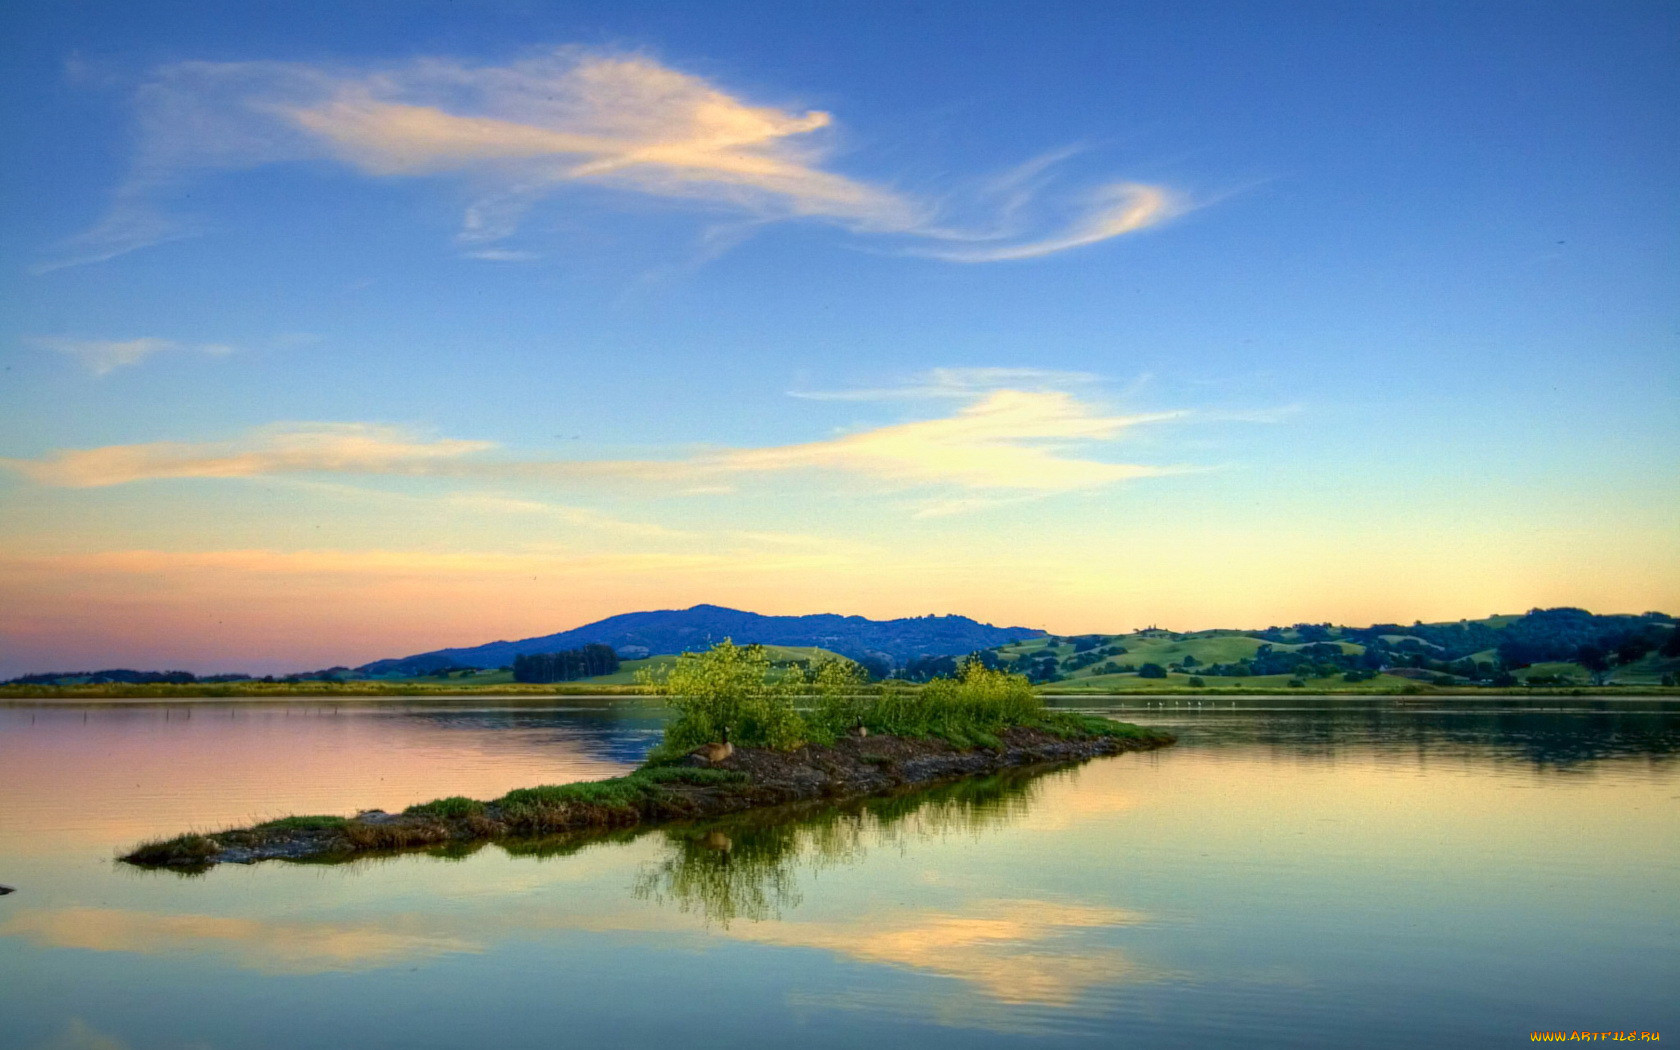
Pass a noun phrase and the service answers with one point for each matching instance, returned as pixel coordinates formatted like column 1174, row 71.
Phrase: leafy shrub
column 729, row 689
column 732, row 687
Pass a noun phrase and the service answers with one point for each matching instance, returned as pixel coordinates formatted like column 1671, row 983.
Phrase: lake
column 1298, row 871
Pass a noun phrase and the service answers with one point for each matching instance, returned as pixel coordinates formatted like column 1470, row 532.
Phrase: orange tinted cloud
column 356, row 448
column 1007, row 439
column 269, row 946
column 520, row 132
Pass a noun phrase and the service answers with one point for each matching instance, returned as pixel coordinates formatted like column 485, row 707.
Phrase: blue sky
column 465, row 321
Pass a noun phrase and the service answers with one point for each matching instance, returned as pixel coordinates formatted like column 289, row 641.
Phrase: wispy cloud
column 963, row 384
column 103, row 356
column 1009, row 439
column 723, row 555
column 1115, row 210
column 1005, row 440
column 343, row 448
column 518, row 133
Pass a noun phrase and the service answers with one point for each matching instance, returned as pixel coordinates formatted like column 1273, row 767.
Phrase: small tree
column 838, row 689
column 1152, row 671
column 1596, row 661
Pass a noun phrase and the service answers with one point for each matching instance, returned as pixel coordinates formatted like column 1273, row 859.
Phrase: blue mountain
column 685, row 630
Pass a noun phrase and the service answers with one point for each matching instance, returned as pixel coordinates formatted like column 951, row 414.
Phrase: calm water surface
column 1297, row 872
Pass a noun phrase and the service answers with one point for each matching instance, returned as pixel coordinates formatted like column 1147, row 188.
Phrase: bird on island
column 715, row 752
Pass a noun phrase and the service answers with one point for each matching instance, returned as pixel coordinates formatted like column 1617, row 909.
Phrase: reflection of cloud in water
column 79, row 1035
column 1013, row 952
column 255, row 944
column 1006, row 949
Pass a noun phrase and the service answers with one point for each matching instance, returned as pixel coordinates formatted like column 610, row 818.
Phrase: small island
column 747, row 735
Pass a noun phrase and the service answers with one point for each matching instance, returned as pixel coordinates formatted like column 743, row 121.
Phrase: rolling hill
column 1540, row 647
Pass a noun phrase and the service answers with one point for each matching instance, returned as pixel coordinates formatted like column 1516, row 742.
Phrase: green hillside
column 1542, row 648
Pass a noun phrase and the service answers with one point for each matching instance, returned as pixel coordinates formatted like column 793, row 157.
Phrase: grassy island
column 744, row 737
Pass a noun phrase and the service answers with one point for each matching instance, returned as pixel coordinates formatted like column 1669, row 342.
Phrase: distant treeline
column 566, row 665
column 123, row 676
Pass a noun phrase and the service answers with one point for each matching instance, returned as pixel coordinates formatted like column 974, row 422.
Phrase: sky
column 336, row 332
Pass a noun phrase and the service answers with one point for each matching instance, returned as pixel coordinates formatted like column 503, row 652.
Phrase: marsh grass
column 300, row 824
column 180, row 851
column 450, row 808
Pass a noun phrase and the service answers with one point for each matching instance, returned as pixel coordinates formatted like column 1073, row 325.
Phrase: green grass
column 627, row 793
column 1180, row 683
column 300, row 824
column 452, row 808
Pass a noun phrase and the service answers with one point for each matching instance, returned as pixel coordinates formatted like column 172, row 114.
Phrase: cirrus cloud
column 519, row 133
column 344, row 448
column 103, row 356
column 1003, row 441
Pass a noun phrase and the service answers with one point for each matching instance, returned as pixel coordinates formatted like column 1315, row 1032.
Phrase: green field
column 1207, row 647
column 1271, row 683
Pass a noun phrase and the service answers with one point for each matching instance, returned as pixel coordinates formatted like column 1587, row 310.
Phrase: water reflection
column 266, row 946
column 1558, row 734
column 1295, row 872
column 747, row 866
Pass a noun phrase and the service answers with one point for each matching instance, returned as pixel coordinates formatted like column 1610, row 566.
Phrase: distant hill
column 1562, row 646
column 893, row 642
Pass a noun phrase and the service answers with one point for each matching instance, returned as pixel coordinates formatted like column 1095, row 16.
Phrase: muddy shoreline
column 750, row 779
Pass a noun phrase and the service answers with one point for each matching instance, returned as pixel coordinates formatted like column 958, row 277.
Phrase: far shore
column 293, row 692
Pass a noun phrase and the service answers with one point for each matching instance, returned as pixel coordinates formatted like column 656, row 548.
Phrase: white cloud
column 1003, row 441
column 1009, row 439
column 103, row 356
column 1116, row 210
column 957, row 383
column 518, row 133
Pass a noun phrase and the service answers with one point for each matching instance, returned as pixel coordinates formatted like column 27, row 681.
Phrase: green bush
column 734, row 688
column 729, row 689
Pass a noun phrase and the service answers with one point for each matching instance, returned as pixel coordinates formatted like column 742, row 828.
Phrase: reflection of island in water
column 1006, row 955
column 1563, row 734
column 1012, row 962
column 746, row 866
